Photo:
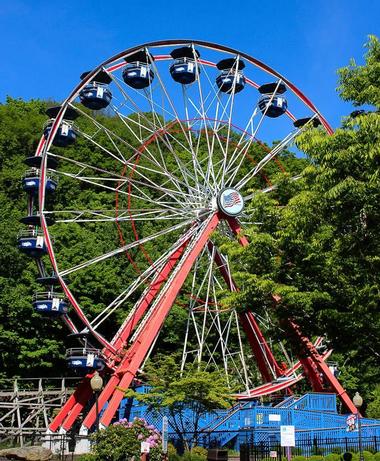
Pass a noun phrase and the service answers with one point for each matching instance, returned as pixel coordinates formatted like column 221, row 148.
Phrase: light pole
column 358, row 402
column 96, row 384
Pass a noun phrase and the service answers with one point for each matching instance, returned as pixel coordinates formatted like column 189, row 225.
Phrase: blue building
column 314, row 417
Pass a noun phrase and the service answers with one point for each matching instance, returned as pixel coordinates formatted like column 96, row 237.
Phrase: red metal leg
column 315, row 368
column 78, row 408
column 80, row 392
column 260, row 348
column 322, row 368
column 103, row 398
column 137, row 352
column 125, row 331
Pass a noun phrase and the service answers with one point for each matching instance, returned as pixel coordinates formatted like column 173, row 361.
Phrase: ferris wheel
column 140, row 175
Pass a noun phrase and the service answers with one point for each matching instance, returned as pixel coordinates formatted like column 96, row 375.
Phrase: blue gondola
column 51, row 280
column 184, row 70
column 231, row 78
column 31, row 181
column 96, row 95
column 35, row 162
column 84, row 360
column 50, row 304
column 275, row 106
column 137, row 73
column 32, row 243
column 35, row 220
column 314, row 122
column 66, row 134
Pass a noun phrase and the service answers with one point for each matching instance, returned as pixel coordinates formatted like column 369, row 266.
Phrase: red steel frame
column 125, row 371
column 312, row 362
column 260, row 348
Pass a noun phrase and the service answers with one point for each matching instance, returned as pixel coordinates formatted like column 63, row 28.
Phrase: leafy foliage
column 373, row 409
column 361, row 84
column 173, row 393
column 317, row 245
column 122, row 441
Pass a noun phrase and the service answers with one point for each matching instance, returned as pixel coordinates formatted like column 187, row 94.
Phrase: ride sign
column 288, row 438
column 165, row 434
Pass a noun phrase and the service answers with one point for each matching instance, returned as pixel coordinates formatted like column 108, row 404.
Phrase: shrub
column 87, row 457
column 172, row 453
column 367, row 455
column 199, row 451
column 376, row 456
column 332, row 457
column 298, row 458
column 122, row 441
column 316, row 458
column 195, row 454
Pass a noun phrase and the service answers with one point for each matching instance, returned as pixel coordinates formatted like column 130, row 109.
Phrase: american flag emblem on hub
column 231, row 199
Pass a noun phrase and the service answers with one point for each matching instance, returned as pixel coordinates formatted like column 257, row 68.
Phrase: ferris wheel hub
column 230, row 202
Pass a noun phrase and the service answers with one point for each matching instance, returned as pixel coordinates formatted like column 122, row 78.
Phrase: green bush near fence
column 200, row 454
column 332, row 457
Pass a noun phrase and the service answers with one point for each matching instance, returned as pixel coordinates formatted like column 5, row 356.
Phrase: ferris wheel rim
column 206, row 44
column 44, row 146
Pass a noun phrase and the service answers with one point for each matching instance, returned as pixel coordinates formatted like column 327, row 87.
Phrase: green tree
column 192, row 394
column 373, row 408
column 317, row 245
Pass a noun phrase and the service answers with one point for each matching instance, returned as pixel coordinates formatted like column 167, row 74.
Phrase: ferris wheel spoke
column 186, row 134
column 267, row 190
column 137, row 153
column 168, row 135
column 202, row 111
column 138, row 282
column 187, row 121
column 169, row 100
column 140, row 194
column 233, row 94
column 161, row 134
column 223, row 265
column 241, row 149
column 210, row 147
column 196, row 288
column 122, row 249
column 247, row 145
column 120, row 179
column 82, row 216
column 205, row 319
column 163, row 129
column 270, row 155
column 165, row 133
column 216, row 96
column 134, row 106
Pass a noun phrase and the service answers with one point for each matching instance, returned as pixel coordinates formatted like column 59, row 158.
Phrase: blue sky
column 47, row 44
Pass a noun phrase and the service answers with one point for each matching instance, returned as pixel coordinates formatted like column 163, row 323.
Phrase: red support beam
column 313, row 364
column 260, row 348
column 81, row 393
column 125, row 331
column 139, row 349
column 322, row 367
column 75, row 404
column 237, row 230
column 252, row 328
column 312, row 374
column 103, row 398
